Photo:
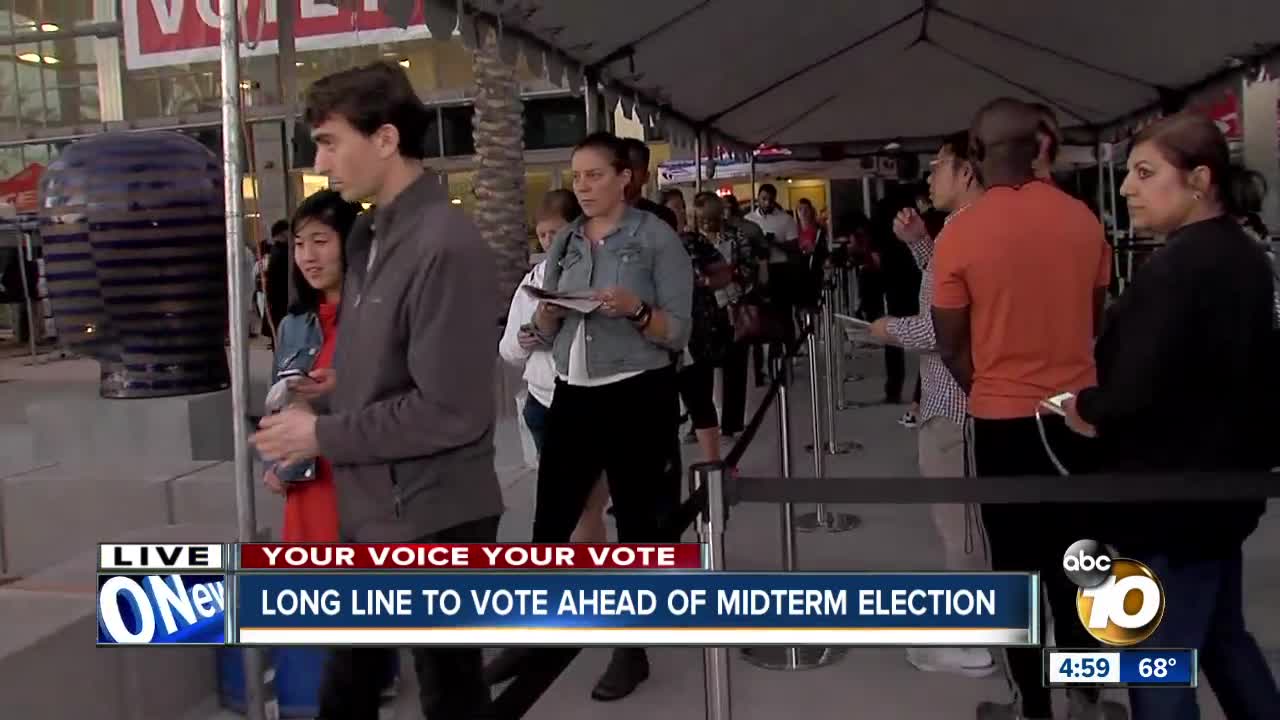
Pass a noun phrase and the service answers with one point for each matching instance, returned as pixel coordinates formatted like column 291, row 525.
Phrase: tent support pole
column 233, row 184
column 697, row 160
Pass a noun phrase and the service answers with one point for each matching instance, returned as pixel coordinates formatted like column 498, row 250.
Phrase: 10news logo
column 1120, row 601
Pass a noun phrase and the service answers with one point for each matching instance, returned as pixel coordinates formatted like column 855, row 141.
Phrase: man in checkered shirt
column 943, row 407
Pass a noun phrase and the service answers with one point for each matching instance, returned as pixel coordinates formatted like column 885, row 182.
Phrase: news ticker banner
column 512, row 595
column 1125, row 667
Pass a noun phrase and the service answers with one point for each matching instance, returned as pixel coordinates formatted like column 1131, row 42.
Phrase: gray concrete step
column 50, row 668
column 50, row 514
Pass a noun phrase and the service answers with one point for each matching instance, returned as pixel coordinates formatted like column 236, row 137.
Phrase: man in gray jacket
column 409, row 427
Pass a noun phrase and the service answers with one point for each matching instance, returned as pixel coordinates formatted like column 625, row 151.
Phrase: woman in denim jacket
column 307, row 336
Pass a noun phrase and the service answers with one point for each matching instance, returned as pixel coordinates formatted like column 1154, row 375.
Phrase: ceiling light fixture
column 50, row 60
column 30, row 57
column 404, row 63
column 49, row 27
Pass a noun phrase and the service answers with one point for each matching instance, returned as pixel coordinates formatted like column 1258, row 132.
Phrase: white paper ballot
column 580, row 301
column 853, row 323
column 859, row 331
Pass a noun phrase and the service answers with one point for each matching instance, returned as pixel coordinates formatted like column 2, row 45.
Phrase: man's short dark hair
column 768, row 188
column 1005, row 135
column 957, row 144
column 369, row 97
column 637, row 152
column 279, row 227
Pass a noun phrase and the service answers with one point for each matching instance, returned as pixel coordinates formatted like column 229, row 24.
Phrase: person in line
column 673, row 200
column 742, row 250
column 410, row 423
column 638, row 159
column 1186, row 380
column 520, row 346
column 276, row 279
column 814, row 249
column 615, row 407
column 735, row 219
column 308, row 336
column 943, row 406
column 709, row 339
column 1018, row 285
column 778, row 277
column 894, row 284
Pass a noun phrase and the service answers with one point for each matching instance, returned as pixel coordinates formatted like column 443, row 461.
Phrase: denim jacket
column 298, row 345
column 642, row 254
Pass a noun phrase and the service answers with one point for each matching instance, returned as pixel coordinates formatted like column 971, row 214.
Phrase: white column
column 106, row 52
column 1258, row 111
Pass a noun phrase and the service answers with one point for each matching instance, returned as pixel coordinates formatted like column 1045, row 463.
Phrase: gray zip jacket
column 410, row 423
column 642, row 254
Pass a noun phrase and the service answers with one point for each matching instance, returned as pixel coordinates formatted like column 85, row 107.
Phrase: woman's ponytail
column 1242, row 192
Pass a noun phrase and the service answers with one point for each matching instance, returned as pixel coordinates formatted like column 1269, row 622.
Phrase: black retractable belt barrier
column 1098, row 488
column 753, row 428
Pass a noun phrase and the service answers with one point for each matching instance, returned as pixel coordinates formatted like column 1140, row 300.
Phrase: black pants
column 895, row 368
column 697, row 384
column 450, row 680
column 1034, row 537
column 733, row 389
column 627, row 430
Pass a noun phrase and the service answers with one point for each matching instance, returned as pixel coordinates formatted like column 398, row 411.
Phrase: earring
column 1198, row 196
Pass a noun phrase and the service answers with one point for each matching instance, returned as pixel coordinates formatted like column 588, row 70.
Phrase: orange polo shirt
column 1025, row 261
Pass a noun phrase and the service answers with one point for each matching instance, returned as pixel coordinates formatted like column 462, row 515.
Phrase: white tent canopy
column 816, row 71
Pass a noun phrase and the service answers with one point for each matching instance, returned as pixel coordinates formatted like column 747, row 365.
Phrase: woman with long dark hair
column 306, row 339
column 814, row 251
column 1186, row 384
column 615, row 406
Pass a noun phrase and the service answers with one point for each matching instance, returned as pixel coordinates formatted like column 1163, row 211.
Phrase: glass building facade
column 64, row 74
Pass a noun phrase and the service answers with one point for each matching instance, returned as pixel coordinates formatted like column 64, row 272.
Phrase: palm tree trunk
column 498, row 129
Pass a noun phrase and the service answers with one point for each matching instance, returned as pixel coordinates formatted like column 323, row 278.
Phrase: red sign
column 174, row 32
column 1225, row 113
column 22, row 191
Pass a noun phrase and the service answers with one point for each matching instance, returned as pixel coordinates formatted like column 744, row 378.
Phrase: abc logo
column 1120, row 601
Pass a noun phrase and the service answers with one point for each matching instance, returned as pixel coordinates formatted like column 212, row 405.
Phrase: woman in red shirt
column 307, row 336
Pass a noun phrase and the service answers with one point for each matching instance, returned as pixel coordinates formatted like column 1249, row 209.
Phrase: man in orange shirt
column 1019, row 281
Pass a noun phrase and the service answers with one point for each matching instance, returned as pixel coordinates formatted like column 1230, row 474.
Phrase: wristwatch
column 642, row 315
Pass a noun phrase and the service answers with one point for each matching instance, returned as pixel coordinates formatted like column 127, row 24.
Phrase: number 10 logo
column 1120, row 601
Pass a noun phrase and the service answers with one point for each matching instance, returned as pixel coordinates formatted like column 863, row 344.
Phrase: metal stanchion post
column 820, row 519
column 836, row 336
column 260, row 700
column 715, row 660
column 831, row 380
column 788, row 658
column 27, row 254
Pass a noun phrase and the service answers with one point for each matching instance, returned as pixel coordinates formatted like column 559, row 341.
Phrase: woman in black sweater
column 1185, row 384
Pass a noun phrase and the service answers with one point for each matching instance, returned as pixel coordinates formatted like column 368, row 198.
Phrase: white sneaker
column 970, row 662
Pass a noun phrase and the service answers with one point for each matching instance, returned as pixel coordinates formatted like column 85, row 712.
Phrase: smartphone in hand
column 1057, row 403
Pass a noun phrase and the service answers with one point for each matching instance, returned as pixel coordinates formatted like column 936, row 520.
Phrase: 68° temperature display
column 1127, row 667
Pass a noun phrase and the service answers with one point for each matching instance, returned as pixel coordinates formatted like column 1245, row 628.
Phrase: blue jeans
column 1204, row 609
column 535, row 418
